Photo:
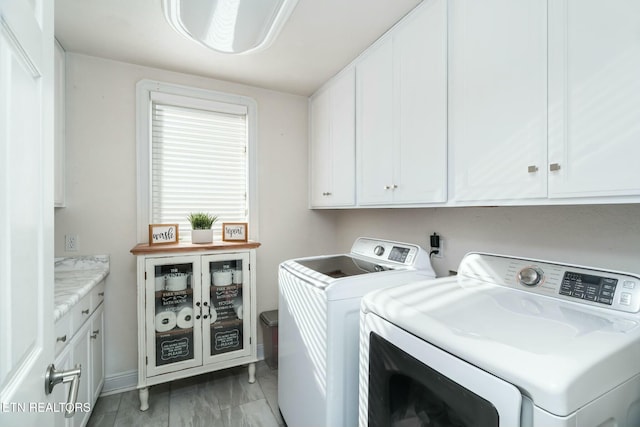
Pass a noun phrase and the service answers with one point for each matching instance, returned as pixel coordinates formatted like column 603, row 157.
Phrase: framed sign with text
column 234, row 232
column 163, row 234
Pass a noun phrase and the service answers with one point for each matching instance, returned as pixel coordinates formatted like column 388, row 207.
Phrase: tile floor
column 224, row 398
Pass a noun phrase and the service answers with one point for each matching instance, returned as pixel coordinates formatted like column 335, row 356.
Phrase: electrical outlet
column 71, row 243
column 440, row 253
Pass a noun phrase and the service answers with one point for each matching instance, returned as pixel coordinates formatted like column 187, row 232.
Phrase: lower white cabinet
column 196, row 314
column 80, row 342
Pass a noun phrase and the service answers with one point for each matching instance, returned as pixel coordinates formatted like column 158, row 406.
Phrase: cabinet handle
column 100, row 294
column 554, row 167
column 54, row 377
column 85, row 311
column 393, row 187
column 532, row 169
column 390, row 187
column 326, row 193
column 93, row 336
column 387, row 187
column 62, row 339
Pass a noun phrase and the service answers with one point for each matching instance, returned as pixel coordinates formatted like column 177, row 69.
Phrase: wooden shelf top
column 146, row 249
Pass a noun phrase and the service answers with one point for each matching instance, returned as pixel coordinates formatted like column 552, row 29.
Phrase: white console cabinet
column 196, row 311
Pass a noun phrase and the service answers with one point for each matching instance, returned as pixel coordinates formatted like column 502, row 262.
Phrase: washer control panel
column 585, row 285
column 391, row 254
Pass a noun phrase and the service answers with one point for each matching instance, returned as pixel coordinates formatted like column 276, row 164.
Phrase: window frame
column 145, row 91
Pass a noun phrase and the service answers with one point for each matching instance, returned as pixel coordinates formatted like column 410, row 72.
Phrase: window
column 195, row 154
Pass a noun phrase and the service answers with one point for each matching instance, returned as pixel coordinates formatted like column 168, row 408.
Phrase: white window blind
column 198, row 163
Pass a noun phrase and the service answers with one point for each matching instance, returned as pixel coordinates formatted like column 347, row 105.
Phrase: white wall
column 101, row 186
column 605, row 236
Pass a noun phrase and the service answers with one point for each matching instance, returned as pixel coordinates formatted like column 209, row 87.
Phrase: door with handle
column 26, row 211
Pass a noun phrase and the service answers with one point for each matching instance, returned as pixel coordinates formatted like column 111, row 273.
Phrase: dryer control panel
column 585, row 285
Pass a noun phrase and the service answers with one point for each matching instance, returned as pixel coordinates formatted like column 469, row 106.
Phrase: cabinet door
column 374, row 123
column 97, row 353
column 173, row 314
column 594, row 138
column 226, row 283
column 343, row 140
column 497, row 99
column 420, row 86
column 333, row 143
column 61, row 392
column 81, row 356
column 320, row 159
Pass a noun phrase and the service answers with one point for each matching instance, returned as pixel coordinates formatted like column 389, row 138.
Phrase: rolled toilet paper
column 160, row 281
column 185, row 318
column 222, row 277
column 237, row 277
column 165, row 321
column 237, row 307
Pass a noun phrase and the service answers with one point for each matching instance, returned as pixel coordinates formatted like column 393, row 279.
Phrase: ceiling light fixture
column 229, row 26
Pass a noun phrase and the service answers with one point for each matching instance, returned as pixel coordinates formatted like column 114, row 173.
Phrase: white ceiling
column 321, row 37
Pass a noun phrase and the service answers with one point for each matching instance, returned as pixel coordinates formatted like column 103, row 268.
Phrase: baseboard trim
column 120, row 382
column 127, row 381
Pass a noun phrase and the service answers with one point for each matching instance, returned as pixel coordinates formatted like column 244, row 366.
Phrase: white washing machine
column 318, row 326
column 508, row 342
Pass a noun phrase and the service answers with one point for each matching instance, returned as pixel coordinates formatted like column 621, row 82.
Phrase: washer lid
column 560, row 353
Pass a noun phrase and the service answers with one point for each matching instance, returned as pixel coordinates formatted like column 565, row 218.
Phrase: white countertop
column 74, row 278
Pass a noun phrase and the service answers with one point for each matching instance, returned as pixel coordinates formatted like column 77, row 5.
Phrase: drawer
column 97, row 296
column 63, row 332
column 80, row 312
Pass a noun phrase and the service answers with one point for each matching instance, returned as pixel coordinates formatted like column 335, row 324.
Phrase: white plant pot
column 201, row 236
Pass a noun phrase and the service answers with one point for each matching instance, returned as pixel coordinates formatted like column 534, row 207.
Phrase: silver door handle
column 54, row 377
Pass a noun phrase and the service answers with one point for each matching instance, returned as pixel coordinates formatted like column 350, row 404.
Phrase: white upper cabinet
column 498, row 99
column 374, row 121
column 401, row 112
column 332, row 152
column 594, row 98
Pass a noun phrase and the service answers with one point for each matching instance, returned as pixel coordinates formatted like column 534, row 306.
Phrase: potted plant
column 201, row 223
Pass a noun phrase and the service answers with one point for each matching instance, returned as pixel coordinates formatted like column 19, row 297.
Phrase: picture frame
column 234, row 231
column 163, row 234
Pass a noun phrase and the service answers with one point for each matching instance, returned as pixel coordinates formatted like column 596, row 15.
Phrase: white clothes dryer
column 508, row 342
column 318, row 326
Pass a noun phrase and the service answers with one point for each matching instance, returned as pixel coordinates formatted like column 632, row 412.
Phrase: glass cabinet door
column 173, row 310
column 225, row 280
